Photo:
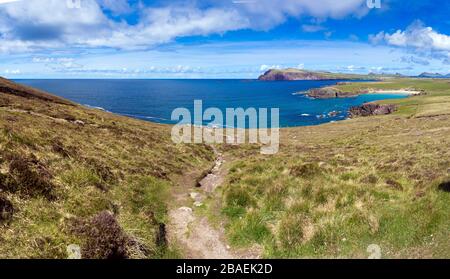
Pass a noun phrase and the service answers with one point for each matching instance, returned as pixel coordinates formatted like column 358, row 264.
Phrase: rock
column 343, row 94
column 185, row 209
column 323, row 93
column 369, row 109
column 196, row 196
column 79, row 122
column 329, row 92
column 73, row 252
column 333, row 113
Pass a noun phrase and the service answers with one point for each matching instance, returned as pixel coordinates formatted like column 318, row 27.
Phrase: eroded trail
column 192, row 232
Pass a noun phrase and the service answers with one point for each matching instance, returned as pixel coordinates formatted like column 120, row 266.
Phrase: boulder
column 369, row 109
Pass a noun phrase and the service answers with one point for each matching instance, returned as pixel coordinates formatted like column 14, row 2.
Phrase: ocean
column 154, row 100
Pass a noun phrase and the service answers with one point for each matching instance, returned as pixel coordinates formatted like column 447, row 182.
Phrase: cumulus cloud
column 416, row 35
column 161, row 25
column 422, row 39
column 37, row 24
column 268, row 13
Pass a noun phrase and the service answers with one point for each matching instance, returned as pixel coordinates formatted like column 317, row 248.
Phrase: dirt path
column 192, row 232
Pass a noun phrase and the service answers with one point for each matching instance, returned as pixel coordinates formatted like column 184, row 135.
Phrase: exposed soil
column 192, row 232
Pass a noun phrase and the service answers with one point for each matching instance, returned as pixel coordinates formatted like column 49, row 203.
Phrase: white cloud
column 8, row 1
column 417, row 36
column 310, row 28
column 12, row 72
column 268, row 13
column 423, row 40
column 36, row 24
column 162, row 25
column 264, row 67
column 59, row 63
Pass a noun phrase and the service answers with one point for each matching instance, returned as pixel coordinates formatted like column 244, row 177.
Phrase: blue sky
column 220, row 38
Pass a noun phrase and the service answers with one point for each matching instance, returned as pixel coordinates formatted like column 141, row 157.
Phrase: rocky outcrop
column 329, row 93
column 369, row 109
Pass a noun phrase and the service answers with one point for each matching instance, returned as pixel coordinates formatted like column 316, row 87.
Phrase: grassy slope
column 331, row 191
column 334, row 189
column 57, row 172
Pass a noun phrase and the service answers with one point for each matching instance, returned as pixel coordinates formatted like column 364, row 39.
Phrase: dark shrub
column 307, row 170
column 68, row 117
column 6, row 210
column 105, row 238
column 29, row 177
column 394, row 184
column 161, row 239
column 4, row 102
column 58, row 147
column 102, row 170
column 444, row 186
column 369, row 179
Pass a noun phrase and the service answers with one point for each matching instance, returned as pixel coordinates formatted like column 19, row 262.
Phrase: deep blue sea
column 154, row 100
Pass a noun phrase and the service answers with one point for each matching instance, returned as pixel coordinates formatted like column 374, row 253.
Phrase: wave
column 156, row 118
column 94, row 107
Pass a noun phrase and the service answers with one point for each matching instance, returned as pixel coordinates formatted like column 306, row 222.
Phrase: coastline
column 396, row 92
column 400, row 92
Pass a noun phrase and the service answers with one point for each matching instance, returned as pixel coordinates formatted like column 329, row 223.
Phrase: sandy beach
column 401, row 91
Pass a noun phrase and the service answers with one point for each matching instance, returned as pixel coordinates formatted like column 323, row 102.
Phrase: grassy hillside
column 72, row 175
column 335, row 189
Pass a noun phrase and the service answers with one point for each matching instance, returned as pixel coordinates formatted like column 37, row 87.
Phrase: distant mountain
column 433, row 75
column 297, row 74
